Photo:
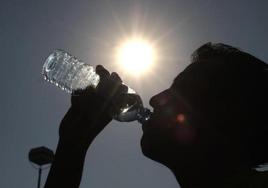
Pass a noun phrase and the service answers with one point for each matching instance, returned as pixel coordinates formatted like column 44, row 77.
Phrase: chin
column 153, row 151
column 147, row 148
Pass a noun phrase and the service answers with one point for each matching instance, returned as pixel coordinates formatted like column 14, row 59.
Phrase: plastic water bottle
column 70, row 74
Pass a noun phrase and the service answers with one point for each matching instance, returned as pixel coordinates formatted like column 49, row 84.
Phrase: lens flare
column 180, row 118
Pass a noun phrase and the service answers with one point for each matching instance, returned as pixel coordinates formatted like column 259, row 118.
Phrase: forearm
column 67, row 167
column 76, row 135
column 86, row 118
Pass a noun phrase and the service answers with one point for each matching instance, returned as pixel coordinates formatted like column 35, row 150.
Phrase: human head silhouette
column 213, row 115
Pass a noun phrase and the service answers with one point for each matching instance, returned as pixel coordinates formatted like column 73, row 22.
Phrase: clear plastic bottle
column 70, row 74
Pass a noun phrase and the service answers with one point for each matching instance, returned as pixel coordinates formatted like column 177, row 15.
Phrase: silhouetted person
column 210, row 127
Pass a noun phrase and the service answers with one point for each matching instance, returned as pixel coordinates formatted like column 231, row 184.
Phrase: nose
column 159, row 99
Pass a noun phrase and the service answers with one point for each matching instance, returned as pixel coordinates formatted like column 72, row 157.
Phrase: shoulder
column 259, row 180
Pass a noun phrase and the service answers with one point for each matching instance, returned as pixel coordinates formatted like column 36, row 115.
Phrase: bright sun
column 135, row 55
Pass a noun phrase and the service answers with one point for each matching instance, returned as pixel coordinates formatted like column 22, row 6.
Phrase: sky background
column 32, row 109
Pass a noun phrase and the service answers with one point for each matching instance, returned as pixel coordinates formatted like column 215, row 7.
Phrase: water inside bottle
column 69, row 73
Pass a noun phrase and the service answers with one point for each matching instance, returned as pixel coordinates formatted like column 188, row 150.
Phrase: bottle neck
column 144, row 115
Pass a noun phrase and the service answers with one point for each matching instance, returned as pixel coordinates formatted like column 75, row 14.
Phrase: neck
column 207, row 178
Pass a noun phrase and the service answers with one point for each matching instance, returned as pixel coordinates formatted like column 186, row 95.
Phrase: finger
column 115, row 77
column 102, row 72
column 116, row 84
column 83, row 92
column 123, row 88
column 117, row 92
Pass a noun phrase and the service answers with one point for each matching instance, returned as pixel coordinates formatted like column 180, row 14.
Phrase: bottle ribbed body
column 69, row 73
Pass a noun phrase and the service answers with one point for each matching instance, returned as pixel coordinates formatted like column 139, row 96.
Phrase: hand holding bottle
column 72, row 74
column 91, row 109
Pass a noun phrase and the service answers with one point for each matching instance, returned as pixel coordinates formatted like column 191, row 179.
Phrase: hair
column 240, row 81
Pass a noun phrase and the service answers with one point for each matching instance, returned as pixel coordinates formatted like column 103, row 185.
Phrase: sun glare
column 135, row 55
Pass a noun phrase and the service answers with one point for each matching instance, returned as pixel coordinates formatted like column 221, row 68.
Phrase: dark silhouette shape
column 209, row 128
column 40, row 156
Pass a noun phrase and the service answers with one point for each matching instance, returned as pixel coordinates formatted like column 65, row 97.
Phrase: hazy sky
column 31, row 109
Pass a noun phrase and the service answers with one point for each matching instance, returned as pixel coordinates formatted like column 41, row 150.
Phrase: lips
column 151, row 123
column 145, row 125
column 148, row 124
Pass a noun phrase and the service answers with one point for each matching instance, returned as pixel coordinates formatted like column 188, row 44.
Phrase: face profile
column 212, row 115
